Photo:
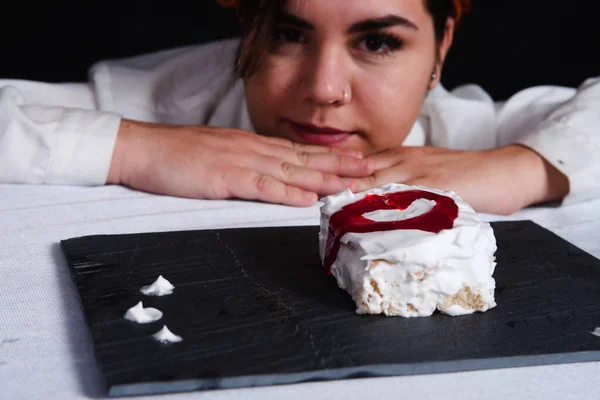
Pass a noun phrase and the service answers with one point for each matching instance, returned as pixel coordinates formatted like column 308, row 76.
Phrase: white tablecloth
column 46, row 350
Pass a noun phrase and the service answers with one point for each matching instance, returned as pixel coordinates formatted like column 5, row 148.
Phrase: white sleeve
column 54, row 134
column 563, row 126
column 559, row 123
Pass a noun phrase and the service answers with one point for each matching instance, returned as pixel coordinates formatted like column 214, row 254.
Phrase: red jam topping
column 350, row 218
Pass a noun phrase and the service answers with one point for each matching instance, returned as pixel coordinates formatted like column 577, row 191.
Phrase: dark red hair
column 461, row 7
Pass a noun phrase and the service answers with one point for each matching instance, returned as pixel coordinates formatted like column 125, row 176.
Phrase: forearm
column 131, row 139
column 541, row 180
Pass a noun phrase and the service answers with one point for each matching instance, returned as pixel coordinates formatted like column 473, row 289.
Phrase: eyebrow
column 376, row 24
column 367, row 25
column 284, row 17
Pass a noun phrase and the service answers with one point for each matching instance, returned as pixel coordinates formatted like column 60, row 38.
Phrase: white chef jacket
column 65, row 133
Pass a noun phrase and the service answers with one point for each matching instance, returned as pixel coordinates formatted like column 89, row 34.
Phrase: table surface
column 46, row 350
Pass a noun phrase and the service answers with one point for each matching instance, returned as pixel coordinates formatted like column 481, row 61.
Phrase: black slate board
column 255, row 308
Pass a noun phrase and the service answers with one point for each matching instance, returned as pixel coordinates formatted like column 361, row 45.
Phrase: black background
column 503, row 45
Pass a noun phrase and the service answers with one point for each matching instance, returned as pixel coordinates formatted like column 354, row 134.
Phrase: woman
column 342, row 93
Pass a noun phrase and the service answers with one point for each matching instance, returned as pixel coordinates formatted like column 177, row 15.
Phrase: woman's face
column 351, row 74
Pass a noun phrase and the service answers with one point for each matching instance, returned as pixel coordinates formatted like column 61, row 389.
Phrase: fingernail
column 348, row 182
column 311, row 197
column 356, row 154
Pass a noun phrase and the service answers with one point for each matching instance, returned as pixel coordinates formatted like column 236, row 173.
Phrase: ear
column 442, row 51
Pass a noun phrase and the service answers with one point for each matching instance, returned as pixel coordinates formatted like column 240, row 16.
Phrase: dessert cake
column 408, row 250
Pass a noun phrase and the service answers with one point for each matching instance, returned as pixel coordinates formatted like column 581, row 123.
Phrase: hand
column 215, row 163
column 498, row 181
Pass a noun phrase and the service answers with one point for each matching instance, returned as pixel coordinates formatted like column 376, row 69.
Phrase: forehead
column 343, row 12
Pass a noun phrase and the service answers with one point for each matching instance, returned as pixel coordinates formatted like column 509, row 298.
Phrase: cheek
column 390, row 100
column 267, row 93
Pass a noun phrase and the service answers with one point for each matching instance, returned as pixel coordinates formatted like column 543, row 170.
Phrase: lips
column 325, row 136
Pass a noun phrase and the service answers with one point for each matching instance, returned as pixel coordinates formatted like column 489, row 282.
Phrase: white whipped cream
column 596, row 332
column 160, row 287
column 166, row 336
column 143, row 315
column 410, row 272
column 416, row 208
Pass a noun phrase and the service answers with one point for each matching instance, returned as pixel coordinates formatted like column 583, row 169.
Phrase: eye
column 380, row 43
column 288, row 35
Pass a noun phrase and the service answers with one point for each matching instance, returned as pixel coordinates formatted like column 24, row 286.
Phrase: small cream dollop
column 596, row 332
column 160, row 287
column 166, row 336
column 143, row 315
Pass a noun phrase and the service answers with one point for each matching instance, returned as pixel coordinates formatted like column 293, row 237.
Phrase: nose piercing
column 346, row 97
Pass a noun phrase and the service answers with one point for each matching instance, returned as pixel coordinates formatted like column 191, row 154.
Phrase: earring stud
column 433, row 76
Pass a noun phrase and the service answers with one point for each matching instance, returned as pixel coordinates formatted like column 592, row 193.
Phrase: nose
column 326, row 77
